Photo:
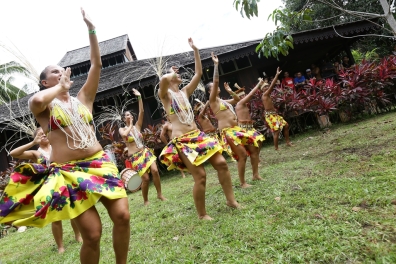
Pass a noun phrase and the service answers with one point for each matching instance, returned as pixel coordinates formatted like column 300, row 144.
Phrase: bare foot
column 245, row 185
column 206, row 217
column 79, row 238
column 234, row 205
column 258, row 178
column 289, row 144
column 146, row 203
column 61, row 250
column 161, row 197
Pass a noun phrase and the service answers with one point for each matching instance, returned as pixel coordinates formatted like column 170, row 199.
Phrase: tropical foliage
column 8, row 73
column 299, row 15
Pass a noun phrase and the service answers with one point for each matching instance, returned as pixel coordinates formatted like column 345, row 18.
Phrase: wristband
column 139, row 97
column 233, row 94
column 93, row 31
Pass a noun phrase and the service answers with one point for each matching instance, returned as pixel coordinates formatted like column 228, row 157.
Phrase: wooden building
column 239, row 63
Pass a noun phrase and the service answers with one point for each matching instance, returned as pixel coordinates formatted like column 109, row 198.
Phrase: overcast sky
column 45, row 30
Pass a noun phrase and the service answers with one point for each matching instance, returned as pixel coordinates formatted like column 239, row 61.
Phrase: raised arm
column 125, row 131
column 88, row 92
column 203, row 110
column 163, row 133
column 39, row 102
column 139, row 121
column 165, row 82
column 189, row 88
column 235, row 98
column 269, row 90
column 252, row 92
column 23, row 152
column 216, row 79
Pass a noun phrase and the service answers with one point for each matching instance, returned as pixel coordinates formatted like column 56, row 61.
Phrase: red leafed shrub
column 367, row 86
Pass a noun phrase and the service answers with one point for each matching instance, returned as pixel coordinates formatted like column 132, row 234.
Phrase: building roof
column 106, row 47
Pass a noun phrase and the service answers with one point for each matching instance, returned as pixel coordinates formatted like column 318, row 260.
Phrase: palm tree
column 8, row 73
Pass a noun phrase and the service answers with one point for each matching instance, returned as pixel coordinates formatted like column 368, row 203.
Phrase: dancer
column 189, row 147
column 80, row 173
column 204, row 121
column 42, row 155
column 140, row 157
column 245, row 122
column 238, row 142
column 166, row 135
column 274, row 121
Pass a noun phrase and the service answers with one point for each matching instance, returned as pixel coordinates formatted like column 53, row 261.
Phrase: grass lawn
column 329, row 199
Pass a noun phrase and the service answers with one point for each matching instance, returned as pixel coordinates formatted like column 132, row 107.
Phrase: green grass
column 335, row 192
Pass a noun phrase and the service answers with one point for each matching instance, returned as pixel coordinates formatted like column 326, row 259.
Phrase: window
column 97, row 107
column 209, row 72
column 155, row 111
column 243, row 63
column 148, row 91
column 228, row 67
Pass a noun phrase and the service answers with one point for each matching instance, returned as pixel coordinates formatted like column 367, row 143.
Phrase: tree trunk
column 388, row 15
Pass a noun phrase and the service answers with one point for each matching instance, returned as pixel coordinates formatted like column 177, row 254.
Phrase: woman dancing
column 189, row 147
column 140, row 157
column 246, row 123
column 166, row 135
column 236, row 141
column 274, row 121
column 80, row 173
column 204, row 121
column 42, row 155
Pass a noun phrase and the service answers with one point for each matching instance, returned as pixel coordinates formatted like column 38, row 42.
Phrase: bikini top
column 130, row 139
column 223, row 107
column 172, row 110
column 58, row 114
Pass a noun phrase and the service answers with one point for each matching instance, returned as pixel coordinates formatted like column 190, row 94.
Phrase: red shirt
column 288, row 82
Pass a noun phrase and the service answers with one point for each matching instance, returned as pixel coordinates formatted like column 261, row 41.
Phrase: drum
column 131, row 179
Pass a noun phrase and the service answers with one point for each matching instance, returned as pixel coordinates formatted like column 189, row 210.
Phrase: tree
column 309, row 14
column 249, row 7
column 8, row 72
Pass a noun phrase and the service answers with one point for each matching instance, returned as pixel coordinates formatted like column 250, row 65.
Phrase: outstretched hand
column 191, row 43
column 87, row 20
column 227, row 87
column 65, row 80
column 38, row 137
column 136, row 92
column 214, row 59
column 278, row 71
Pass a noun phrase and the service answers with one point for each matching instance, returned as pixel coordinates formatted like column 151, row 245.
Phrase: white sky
column 45, row 30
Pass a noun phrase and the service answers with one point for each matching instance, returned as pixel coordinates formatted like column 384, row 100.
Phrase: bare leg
column 182, row 173
column 90, row 227
column 240, row 151
column 254, row 160
column 145, row 188
column 199, row 175
column 286, row 134
column 157, row 181
column 77, row 234
column 57, row 232
column 118, row 210
column 276, row 138
column 220, row 165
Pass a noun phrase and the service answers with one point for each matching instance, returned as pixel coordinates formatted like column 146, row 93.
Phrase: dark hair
column 207, row 90
column 43, row 76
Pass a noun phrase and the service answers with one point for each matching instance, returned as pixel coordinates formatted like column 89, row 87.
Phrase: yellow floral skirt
column 141, row 161
column 38, row 195
column 196, row 145
column 240, row 136
column 275, row 122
